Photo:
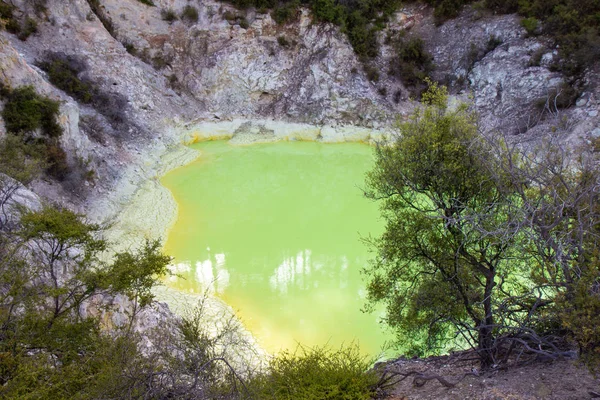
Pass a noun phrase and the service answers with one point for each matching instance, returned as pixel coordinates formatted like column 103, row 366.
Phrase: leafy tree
column 135, row 274
column 49, row 268
column 64, row 256
column 558, row 221
column 441, row 270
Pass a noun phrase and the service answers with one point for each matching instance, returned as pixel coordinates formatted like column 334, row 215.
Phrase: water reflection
column 209, row 274
column 302, row 273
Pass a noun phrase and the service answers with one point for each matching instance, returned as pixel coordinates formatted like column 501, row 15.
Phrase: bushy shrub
column 56, row 158
column 130, row 48
column 6, row 10
column 447, row 9
column 39, row 6
column 63, row 73
column 26, row 111
column 285, row 12
column 147, row 2
column 412, row 63
column 283, row 42
column 372, row 73
column 531, row 25
column 29, row 28
column 317, row 373
column 23, row 161
column 190, row 14
column 560, row 97
column 168, row 15
column 244, row 23
column 503, row 6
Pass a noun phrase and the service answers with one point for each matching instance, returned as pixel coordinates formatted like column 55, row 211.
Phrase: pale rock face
column 247, row 73
column 498, row 82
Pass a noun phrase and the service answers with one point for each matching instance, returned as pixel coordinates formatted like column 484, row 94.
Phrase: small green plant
column 502, row 6
column 560, row 97
column 168, row 15
column 531, row 25
column 6, row 10
column 493, row 42
column 159, row 61
column 317, row 373
column 26, row 111
column 21, row 160
column 13, row 26
column 244, row 23
column 147, row 2
column 130, row 48
column 57, row 161
column 372, row 73
column 63, row 73
column 229, row 16
column 283, row 42
column 39, row 6
column 285, row 12
column 447, row 9
column 190, row 14
column 29, row 28
column 412, row 63
column 536, row 57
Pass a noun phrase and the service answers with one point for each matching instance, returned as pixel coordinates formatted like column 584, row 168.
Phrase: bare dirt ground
column 564, row 380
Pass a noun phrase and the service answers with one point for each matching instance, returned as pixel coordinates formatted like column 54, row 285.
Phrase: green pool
column 275, row 231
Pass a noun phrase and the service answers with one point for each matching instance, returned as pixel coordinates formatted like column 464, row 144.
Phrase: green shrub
column 412, row 63
column 56, row 158
column 493, row 42
column 561, row 97
column 327, row 11
column 372, row 73
column 13, row 26
column 130, row 48
column 447, row 9
column 6, row 10
column 147, row 2
column 29, row 28
column 536, row 57
column 316, row 373
column 26, row 111
column 159, row 61
column 362, row 36
column 531, row 25
column 244, row 23
column 63, row 73
column 503, row 6
column 168, row 15
column 190, row 14
column 21, row 160
column 283, row 42
column 229, row 16
column 286, row 12
column 39, row 6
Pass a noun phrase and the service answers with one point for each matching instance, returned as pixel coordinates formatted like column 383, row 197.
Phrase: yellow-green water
column 275, row 231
